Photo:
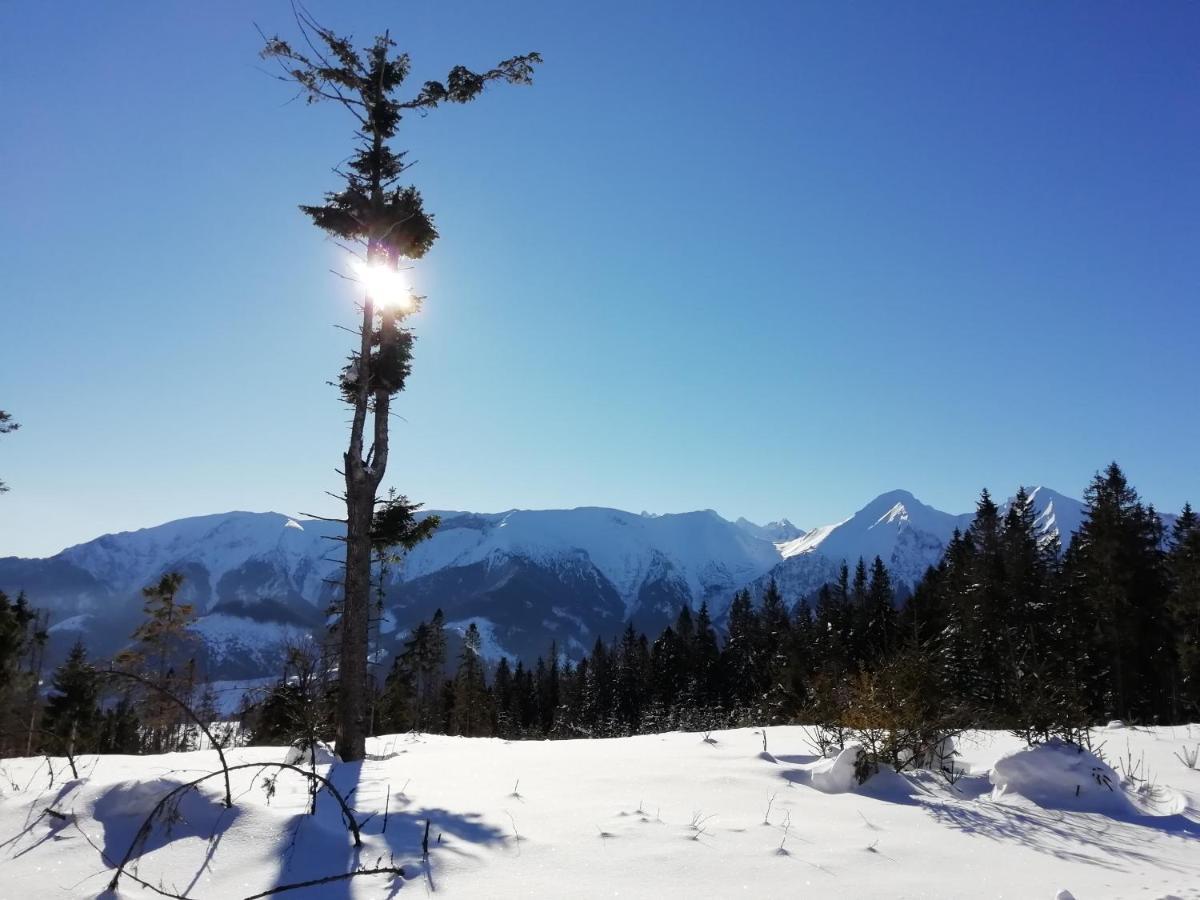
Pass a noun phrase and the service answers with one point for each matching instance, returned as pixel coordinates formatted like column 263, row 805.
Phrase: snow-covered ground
column 670, row 815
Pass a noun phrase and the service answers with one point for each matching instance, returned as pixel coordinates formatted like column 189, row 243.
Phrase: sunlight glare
column 385, row 285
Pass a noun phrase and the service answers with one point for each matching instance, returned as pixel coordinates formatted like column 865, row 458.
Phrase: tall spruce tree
column 1115, row 572
column 72, row 715
column 859, row 616
column 390, row 224
column 739, row 656
column 1183, row 562
column 777, row 693
column 880, row 638
column 470, row 686
column 983, row 608
column 707, row 656
column 503, row 717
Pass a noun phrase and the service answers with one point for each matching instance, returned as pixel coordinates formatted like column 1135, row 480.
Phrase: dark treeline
column 1005, row 632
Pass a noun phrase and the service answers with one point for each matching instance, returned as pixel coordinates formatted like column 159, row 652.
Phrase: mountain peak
column 778, row 532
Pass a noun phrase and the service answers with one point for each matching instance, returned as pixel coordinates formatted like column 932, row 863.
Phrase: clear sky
column 768, row 258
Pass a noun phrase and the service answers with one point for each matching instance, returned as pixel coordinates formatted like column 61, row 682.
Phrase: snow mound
column 1061, row 776
column 298, row 755
column 836, row 775
column 134, row 798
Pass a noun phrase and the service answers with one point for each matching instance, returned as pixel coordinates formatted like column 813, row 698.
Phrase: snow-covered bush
column 305, row 753
column 1060, row 774
column 840, row 774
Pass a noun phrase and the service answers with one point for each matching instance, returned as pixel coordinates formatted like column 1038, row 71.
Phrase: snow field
column 670, row 815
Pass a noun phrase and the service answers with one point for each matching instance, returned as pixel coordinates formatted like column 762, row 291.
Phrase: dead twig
column 398, row 871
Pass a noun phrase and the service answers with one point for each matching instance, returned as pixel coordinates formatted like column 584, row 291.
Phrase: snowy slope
column 775, row 532
column 700, row 551
column 1058, row 515
column 645, row 817
column 216, row 545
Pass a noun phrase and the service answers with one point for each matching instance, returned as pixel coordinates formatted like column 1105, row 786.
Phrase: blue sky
column 772, row 259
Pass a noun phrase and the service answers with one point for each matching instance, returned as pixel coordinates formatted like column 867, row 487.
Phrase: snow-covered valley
column 671, row 815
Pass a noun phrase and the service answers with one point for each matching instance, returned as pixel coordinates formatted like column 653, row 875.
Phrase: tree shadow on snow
column 123, row 808
column 308, row 847
column 310, row 852
column 312, row 848
column 1108, row 839
column 1093, row 838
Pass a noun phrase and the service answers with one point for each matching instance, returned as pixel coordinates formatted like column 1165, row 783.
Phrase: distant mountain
column 776, row 532
column 526, row 577
column 906, row 534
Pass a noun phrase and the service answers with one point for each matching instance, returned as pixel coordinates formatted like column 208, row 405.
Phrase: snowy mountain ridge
column 532, row 576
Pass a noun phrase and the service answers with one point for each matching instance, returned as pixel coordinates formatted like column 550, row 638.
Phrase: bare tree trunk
column 41, row 626
column 352, row 663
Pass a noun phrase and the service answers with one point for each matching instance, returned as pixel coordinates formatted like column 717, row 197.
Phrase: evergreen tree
column 525, row 690
column 983, row 609
column 1116, row 575
column 1183, row 562
column 121, row 728
column 162, row 653
column 739, row 657
column 397, row 708
column 391, row 225
column 1032, row 653
column 299, row 708
column 598, row 693
column 633, row 674
column 880, row 636
column 22, row 639
column 668, row 669
column 955, row 593
column 503, row 718
column 859, row 616
column 707, row 656
column 775, row 676
column 415, row 679
column 829, row 653
column 72, row 712
column 470, row 688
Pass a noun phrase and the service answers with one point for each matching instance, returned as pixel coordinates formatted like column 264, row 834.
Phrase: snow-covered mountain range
column 527, row 577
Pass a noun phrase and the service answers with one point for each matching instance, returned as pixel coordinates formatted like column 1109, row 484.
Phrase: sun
column 385, row 285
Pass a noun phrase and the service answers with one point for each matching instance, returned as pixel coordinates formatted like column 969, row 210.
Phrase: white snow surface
column 655, row 816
